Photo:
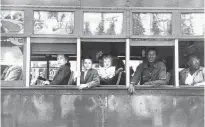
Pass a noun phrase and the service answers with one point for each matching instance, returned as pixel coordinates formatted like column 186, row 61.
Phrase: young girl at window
column 107, row 72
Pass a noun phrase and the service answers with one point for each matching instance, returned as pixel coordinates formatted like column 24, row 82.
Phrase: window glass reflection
column 53, row 22
column 103, row 23
column 12, row 22
column 152, row 24
column 11, row 59
column 192, row 24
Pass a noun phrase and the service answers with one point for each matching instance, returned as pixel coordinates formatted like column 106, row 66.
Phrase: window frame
column 54, row 10
column 191, row 12
column 21, row 83
column 70, row 41
column 132, row 12
column 24, row 25
column 104, row 10
column 109, row 40
column 171, row 43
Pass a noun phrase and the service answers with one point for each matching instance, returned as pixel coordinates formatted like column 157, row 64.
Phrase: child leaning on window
column 107, row 72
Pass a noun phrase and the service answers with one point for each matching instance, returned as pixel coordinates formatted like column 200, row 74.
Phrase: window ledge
column 103, row 87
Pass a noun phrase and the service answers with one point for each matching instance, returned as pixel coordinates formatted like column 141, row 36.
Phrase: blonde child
column 107, row 72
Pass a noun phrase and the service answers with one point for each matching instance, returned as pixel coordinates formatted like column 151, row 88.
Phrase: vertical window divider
column 127, row 50
column 176, row 62
column 28, row 57
column 78, row 60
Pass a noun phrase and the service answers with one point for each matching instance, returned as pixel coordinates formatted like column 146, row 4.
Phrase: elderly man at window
column 194, row 75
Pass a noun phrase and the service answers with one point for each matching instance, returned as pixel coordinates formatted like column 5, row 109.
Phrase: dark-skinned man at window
column 150, row 72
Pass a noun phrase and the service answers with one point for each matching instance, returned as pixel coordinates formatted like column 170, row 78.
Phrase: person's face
column 194, row 63
column 107, row 63
column 87, row 63
column 151, row 56
column 61, row 60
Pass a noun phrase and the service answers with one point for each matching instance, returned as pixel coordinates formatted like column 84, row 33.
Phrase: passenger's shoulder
column 94, row 70
column 16, row 67
column 160, row 63
column 67, row 67
column 185, row 70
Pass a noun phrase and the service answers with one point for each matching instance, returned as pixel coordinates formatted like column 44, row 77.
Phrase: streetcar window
column 49, row 60
column 192, row 24
column 12, row 53
column 152, row 24
column 191, row 57
column 108, row 56
column 48, row 22
column 12, row 22
column 158, row 67
column 103, row 23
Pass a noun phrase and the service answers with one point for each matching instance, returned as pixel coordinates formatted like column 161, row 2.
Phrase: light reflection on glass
column 103, row 23
column 12, row 22
column 192, row 24
column 152, row 24
column 53, row 22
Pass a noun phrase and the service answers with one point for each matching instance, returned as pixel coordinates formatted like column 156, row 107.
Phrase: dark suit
column 12, row 73
column 91, row 78
column 62, row 75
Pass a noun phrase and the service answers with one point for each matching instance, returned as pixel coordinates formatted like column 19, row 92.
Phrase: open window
column 110, row 74
column 12, row 61
column 162, row 68
column 45, row 65
column 189, row 49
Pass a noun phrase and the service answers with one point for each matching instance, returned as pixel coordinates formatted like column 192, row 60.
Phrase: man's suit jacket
column 62, row 75
column 91, row 78
column 12, row 73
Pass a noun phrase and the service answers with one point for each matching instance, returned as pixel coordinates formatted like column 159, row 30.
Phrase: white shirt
column 107, row 72
column 85, row 72
column 189, row 79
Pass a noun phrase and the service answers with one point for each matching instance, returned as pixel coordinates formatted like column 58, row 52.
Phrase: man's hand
column 82, row 86
column 148, row 83
column 46, row 82
column 200, row 84
column 131, row 88
column 119, row 70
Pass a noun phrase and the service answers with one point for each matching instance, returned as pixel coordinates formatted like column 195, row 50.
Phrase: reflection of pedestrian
column 85, row 116
column 12, row 73
column 3, row 30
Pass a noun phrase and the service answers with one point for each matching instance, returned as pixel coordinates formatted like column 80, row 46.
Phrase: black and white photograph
column 102, row 63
